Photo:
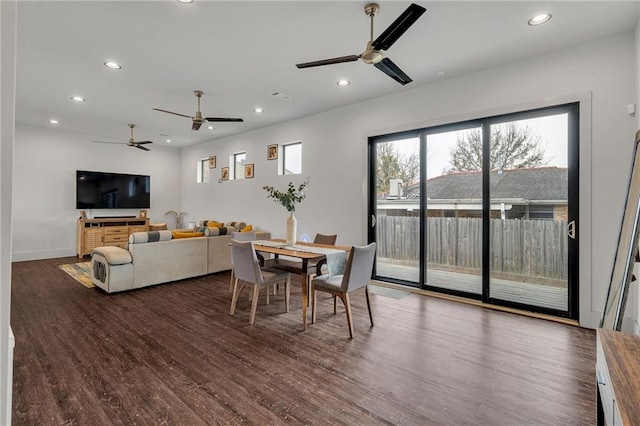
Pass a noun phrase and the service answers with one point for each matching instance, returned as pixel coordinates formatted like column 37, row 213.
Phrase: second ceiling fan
column 198, row 119
column 373, row 52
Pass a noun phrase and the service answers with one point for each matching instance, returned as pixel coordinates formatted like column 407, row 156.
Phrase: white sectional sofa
column 156, row 257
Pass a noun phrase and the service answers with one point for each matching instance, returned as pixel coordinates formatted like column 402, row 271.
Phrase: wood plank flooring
column 171, row 354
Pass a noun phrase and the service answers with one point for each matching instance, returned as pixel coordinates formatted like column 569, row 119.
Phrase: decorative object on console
column 288, row 199
column 272, row 152
column 177, row 216
column 143, row 213
column 248, row 171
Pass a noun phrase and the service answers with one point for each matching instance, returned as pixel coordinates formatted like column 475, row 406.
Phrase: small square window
column 292, row 158
column 202, row 171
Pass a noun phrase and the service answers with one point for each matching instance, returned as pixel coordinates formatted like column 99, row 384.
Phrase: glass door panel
column 397, row 209
column 453, row 223
column 529, row 212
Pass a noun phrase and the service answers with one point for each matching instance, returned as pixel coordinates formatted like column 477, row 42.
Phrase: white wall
column 44, row 198
column 7, row 117
column 599, row 74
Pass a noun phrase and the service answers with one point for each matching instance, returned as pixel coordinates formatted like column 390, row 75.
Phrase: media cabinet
column 94, row 233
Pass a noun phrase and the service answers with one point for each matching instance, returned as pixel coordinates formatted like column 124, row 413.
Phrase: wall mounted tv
column 98, row 190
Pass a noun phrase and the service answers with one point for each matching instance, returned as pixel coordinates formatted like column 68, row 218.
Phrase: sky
column 551, row 129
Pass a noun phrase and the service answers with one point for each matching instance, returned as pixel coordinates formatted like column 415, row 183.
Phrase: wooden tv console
column 94, row 233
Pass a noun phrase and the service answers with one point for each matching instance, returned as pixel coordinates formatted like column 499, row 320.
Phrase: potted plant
column 289, row 198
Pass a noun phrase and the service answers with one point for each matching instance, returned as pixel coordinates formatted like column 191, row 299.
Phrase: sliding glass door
column 485, row 209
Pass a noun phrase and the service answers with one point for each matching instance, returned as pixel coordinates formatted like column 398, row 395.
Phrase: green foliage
column 512, row 147
column 290, row 197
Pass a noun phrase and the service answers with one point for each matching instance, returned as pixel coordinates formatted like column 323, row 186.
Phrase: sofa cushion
column 247, row 228
column 149, row 237
column 215, row 231
column 179, row 234
column 236, row 225
column 211, row 223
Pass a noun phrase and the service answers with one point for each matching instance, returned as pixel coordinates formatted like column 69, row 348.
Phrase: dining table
column 301, row 253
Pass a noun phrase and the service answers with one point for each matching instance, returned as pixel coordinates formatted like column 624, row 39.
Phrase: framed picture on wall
column 248, row 171
column 225, row 173
column 272, row 152
column 212, row 162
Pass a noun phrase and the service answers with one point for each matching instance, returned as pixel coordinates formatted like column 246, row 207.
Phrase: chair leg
column 254, row 304
column 231, row 281
column 335, row 308
column 268, row 291
column 234, row 298
column 347, row 307
column 313, row 303
column 366, row 292
column 287, row 292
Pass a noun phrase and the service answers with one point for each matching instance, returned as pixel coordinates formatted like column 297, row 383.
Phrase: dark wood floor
column 171, row 354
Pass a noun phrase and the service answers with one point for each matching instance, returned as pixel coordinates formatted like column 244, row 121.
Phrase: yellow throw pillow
column 179, row 234
column 247, row 228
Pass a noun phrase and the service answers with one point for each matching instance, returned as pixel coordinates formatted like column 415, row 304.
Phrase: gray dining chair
column 239, row 236
column 356, row 275
column 248, row 273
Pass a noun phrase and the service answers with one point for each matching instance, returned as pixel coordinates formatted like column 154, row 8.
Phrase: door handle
column 571, row 230
column 373, row 220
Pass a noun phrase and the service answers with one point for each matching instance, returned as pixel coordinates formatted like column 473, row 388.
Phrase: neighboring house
column 537, row 193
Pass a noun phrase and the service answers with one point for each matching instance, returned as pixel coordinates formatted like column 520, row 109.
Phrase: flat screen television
column 99, row 190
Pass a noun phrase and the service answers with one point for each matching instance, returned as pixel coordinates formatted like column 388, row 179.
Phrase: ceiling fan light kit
column 373, row 53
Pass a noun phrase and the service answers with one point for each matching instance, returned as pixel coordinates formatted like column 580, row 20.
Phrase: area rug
column 388, row 292
column 80, row 272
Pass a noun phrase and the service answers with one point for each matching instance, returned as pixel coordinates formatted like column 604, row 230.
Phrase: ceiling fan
column 198, row 119
column 131, row 142
column 373, row 53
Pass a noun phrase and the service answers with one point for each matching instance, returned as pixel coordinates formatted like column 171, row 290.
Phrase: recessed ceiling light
column 258, row 110
column 112, row 65
column 168, row 141
column 343, row 83
column 185, row 1
column 539, row 19
column 53, row 121
column 210, row 127
column 441, row 73
column 77, row 98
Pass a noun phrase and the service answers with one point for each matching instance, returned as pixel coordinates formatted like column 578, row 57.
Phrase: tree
column 512, row 146
column 392, row 165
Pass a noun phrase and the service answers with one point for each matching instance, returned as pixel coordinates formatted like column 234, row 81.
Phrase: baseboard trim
column 39, row 255
column 477, row 303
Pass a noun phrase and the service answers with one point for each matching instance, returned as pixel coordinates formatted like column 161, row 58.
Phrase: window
column 202, row 171
column 292, row 158
column 238, row 162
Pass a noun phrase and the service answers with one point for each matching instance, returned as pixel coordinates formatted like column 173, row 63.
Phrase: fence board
column 536, row 248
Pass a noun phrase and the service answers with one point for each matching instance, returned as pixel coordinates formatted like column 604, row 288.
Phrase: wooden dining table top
column 292, row 252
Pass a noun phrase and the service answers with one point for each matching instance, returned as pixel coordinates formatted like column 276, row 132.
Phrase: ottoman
column 111, row 269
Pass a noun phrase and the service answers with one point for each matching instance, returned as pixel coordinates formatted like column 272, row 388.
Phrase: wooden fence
column 533, row 248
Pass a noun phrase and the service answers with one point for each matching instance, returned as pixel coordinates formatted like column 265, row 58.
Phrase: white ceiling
column 240, row 52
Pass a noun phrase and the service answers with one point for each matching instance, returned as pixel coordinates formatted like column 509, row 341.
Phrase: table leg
column 305, row 296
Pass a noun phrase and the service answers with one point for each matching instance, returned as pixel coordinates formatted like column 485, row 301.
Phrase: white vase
column 292, row 228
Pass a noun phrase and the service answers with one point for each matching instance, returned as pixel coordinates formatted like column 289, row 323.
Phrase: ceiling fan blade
column 171, row 112
column 196, row 125
column 144, row 148
column 392, row 70
column 398, row 27
column 222, row 119
column 120, row 143
column 341, row 59
column 142, row 142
